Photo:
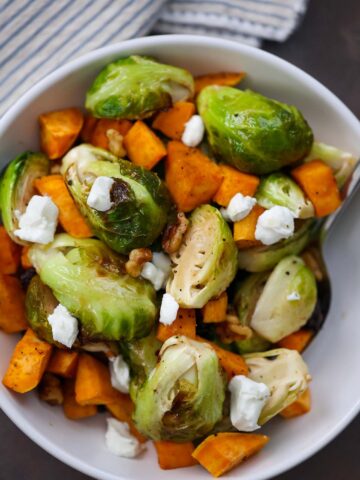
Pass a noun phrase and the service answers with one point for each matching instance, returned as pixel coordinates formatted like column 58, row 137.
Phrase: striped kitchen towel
column 36, row 36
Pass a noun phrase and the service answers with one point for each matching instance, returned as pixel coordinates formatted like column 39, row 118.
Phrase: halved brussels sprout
column 341, row 162
column 279, row 189
column 90, row 281
column 183, row 396
column 40, row 303
column 253, row 133
column 17, row 187
column 137, row 87
column 286, row 302
column 140, row 200
column 262, row 258
column 285, row 374
column 206, row 263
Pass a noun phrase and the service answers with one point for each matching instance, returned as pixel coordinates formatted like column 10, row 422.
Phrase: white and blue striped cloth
column 36, row 36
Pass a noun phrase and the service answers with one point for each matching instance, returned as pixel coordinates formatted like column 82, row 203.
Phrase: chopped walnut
column 174, row 234
column 50, row 390
column 137, row 258
column 231, row 330
column 115, row 142
column 55, row 168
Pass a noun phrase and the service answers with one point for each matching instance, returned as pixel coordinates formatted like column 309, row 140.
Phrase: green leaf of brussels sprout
column 341, row 162
column 136, row 87
column 285, row 374
column 90, row 281
column 140, row 200
column 17, row 187
column 262, row 258
column 279, row 189
column 251, row 345
column 287, row 300
column 251, row 132
column 206, row 263
column 183, row 397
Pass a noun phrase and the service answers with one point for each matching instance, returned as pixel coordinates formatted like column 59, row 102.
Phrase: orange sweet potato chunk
column 172, row 122
column 143, row 147
column 89, row 125
column 235, row 182
column 318, row 182
column 191, row 177
column 215, row 310
column 297, row 341
column 122, row 410
column 244, row 230
column 184, row 324
column 99, row 136
column 174, row 455
column 59, row 130
column 301, row 406
column 221, row 452
column 63, row 363
column 12, row 305
column 27, row 364
column 72, row 410
column 9, row 253
column 229, row 79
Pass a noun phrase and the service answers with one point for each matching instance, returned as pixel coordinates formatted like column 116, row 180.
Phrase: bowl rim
column 55, row 76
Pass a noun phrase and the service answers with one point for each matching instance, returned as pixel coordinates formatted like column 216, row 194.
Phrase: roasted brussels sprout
column 262, row 258
column 40, row 303
column 206, row 263
column 341, row 162
column 183, row 396
column 285, row 374
column 279, row 189
column 140, row 200
column 90, row 281
column 278, row 303
column 252, row 344
column 253, row 133
column 17, row 187
column 137, row 87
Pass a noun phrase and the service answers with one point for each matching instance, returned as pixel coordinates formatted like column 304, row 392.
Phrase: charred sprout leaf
column 140, row 200
column 90, row 281
column 279, row 189
column 262, row 258
column 206, row 262
column 251, row 345
column 285, row 374
column 40, row 303
column 17, row 187
column 341, row 162
column 287, row 300
column 136, row 87
column 253, row 133
column 183, row 397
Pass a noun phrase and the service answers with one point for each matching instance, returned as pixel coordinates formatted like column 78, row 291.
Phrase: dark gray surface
column 327, row 45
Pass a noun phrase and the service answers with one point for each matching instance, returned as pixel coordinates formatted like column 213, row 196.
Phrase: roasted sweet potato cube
column 72, row 410
column 235, row 182
column 229, row 79
column 143, row 147
column 301, row 406
column 174, row 455
column 215, row 310
column 63, row 363
column 12, row 305
column 244, row 230
column 184, row 324
column 172, row 122
column 9, row 253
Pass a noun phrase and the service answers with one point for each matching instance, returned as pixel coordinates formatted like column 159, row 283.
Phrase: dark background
column 327, row 45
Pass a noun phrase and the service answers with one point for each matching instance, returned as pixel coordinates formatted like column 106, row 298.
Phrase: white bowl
column 333, row 357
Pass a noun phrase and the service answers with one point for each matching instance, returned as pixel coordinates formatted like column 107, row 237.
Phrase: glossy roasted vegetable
column 279, row 189
column 17, row 187
column 341, row 162
column 279, row 303
column 262, row 258
column 253, row 133
column 184, row 395
column 140, row 201
column 206, row 263
column 40, row 303
column 252, row 344
column 285, row 374
column 90, row 281
column 136, row 87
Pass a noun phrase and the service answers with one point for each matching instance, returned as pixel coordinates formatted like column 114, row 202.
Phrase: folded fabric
column 38, row 36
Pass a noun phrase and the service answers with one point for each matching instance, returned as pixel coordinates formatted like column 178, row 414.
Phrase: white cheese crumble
column 158, row 270
column 99, row 196
column 168, row 310
column 293, row 297
column 64, row 326
column 247, row 400
column 274, row 225
column 38, row 223
column 239, row 207
column 119, row 440
column 120, row 374
column 194, row 131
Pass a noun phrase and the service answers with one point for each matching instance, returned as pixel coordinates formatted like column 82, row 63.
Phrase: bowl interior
column 335, row 350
